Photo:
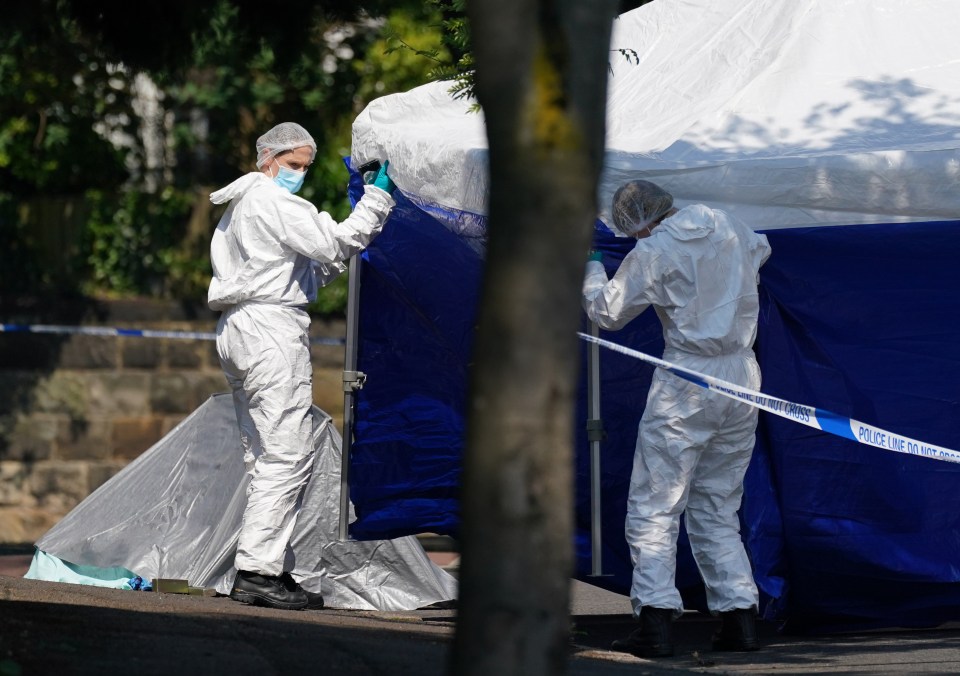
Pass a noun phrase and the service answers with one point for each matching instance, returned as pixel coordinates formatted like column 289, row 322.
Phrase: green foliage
column 332, row 299
column 400, row 65
column 453, row 59
column 126, row 194
column 54, row 93
column 133, row 243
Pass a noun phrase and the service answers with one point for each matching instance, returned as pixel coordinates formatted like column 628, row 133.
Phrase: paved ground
column 52, row 628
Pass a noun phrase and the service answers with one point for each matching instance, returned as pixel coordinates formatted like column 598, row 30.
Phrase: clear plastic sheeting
column 175, row 512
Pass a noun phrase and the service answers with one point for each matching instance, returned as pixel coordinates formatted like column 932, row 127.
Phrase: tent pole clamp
column 353, row 380
column 595, row 431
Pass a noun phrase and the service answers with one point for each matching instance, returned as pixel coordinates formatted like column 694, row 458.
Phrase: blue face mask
column 290, row 179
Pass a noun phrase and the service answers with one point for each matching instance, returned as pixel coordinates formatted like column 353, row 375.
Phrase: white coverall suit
column 267, row 252
column 699, row 270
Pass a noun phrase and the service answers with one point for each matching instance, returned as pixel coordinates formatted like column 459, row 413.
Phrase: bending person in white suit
column 699, row 269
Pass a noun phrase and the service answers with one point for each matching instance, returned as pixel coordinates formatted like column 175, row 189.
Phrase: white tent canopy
column 785, row 113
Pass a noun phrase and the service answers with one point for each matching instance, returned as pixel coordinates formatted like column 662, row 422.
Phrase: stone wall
column 75, row 409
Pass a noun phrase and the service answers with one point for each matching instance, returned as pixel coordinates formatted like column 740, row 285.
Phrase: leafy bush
column 109, row 145
column 134, row 242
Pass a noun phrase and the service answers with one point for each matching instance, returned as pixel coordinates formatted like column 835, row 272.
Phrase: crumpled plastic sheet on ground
column 175, row 512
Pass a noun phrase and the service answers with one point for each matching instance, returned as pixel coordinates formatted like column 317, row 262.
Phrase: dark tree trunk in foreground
column 541, row 79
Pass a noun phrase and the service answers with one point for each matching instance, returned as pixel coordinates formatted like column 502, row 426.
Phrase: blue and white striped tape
column 810, row 416
column 134, row 333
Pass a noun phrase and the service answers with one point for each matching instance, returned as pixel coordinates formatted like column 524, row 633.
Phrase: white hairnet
column 638, row 204
column 285, row 136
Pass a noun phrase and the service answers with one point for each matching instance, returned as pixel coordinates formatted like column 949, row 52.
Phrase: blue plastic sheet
column 862, row 320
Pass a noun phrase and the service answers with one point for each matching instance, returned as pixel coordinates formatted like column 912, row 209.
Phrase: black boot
column 654, row 636
column 738, row 631
column 271, row 591
column 314, row 599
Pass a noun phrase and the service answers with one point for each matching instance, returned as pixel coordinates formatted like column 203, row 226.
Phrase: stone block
column 132, row 436
column 59, row 486
column 63, row 392
column 172, row 393
column 83, row 439
column 17, row 390
column 328, row 390
column 170, row 422
column 330, row 327
column 13, row 484
column 213, row 357
column 90, row 352
column 32, row 438
column 207, row 384
column 186, row 354
column 141, row 353
column 26, row 524
column 111, row 394
column 327, row 356
column 100, row 473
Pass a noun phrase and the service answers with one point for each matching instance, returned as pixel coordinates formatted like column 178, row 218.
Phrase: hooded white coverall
column 267, row 252
column 699, row 270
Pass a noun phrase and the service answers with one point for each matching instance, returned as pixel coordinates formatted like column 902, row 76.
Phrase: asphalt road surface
column 53, row 628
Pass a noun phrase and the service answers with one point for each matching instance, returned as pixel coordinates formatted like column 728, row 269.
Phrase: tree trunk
column 541, row 79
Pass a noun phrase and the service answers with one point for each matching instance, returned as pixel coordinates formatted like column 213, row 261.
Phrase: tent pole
column 352, row 381
column 595, row 435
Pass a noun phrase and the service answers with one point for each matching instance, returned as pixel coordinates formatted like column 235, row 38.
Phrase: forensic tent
column 174, row 513
column 833, row 126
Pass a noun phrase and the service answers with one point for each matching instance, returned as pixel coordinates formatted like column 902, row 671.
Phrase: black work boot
column 738, row 631
column 314, row 599
column 271, row 591
column 654, row 636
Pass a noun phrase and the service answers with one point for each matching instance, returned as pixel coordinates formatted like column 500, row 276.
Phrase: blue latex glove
column 383, row 181
column 596, row 256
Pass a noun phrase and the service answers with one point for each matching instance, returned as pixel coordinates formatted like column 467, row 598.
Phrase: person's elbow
column 597, row 315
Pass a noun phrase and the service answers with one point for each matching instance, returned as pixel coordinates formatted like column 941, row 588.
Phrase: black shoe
column 654, row 636
column 314, row 599
column 738, row 631
column 271, row 591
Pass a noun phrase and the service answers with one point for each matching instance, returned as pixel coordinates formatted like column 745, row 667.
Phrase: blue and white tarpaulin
column 834, row 128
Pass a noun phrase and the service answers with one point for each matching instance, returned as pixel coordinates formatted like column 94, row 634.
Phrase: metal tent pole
column 595, row 436
column 352, row 381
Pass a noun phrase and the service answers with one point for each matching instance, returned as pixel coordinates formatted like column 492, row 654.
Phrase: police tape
column 132, row 333
column 818, row 418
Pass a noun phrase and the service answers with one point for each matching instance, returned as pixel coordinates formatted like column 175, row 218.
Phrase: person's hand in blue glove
column 596, row 255
column 383, row 181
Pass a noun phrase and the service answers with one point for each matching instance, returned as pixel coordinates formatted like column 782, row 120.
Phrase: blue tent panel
column 861, row 320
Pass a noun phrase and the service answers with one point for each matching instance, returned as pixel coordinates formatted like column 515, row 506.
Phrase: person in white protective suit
column 699, row 269
column 270, row 252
